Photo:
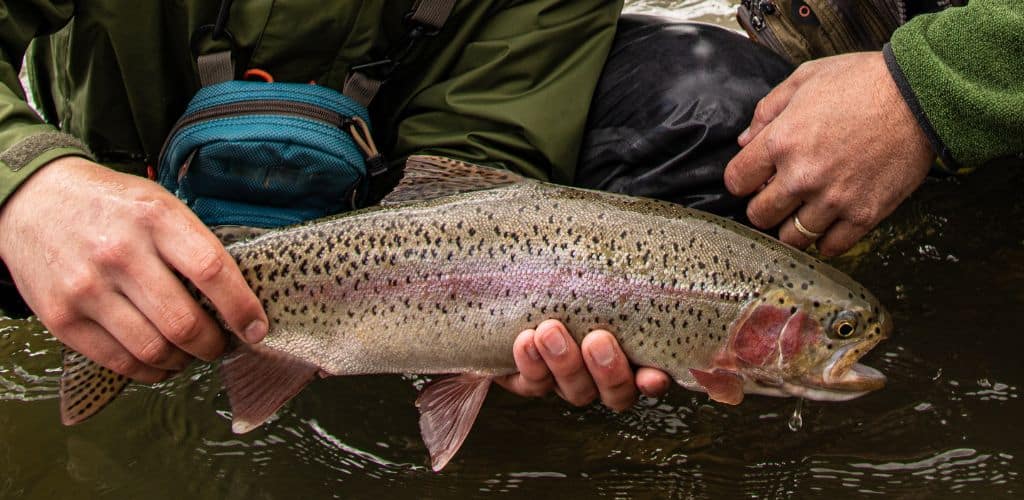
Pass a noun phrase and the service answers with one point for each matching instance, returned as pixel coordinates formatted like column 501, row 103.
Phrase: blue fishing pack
column 266, row 154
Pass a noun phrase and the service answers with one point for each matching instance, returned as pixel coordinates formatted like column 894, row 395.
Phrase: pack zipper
column 275, row 107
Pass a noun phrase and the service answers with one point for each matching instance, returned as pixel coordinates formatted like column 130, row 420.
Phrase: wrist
column 924, row 126
column 21, row 205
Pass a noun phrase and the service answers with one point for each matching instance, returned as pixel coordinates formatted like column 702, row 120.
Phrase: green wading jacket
column 506, row 82
column 962, row 73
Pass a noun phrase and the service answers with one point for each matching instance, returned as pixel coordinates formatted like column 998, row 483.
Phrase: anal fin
column 86, row 387
column 259, row 381
column 448, row 407
column 724, row 386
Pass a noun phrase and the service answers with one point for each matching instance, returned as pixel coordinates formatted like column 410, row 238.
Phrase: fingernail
column 255, row 331
column 649, row 391
column 531, row 351
column 601, row 351
column 743, row 135
column 554, row 341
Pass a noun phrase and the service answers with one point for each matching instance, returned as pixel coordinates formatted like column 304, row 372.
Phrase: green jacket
column 962, row 73
column 506, row 82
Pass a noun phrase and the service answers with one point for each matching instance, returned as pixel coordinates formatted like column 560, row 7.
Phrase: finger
column 610, row 369
column 162, row 298
column 93, row 342
column 563, row 358
column 534, row 378
column 128, row 326
column 191, row 249
column 840, row 238
column 769, row 108
column 771, row 206
column 652, row 383
column 814, row 217
column 750, row 168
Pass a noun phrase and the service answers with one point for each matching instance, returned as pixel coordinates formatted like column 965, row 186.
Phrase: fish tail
column 86, row 387
column 259, row 381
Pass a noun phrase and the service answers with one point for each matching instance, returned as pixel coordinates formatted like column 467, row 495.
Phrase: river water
column 949, row 265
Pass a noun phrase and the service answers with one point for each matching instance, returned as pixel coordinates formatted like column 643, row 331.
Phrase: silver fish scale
column 446, row 285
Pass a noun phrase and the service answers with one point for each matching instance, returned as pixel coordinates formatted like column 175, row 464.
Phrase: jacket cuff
column 947, row 161
column 25, row 157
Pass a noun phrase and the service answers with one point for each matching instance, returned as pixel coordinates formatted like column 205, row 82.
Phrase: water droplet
column 796, row 421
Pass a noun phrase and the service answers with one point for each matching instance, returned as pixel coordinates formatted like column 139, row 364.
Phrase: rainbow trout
column 462, row 258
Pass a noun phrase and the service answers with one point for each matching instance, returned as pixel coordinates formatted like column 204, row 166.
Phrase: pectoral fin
column 233, row 234
column 86, row 387
column 723, row 386
column 259, row 381
column 448, row 407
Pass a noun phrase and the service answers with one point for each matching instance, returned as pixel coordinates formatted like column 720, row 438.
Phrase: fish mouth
column 841, row 378
column 843, row 372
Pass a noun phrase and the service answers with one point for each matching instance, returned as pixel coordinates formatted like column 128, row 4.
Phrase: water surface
column 949, row 265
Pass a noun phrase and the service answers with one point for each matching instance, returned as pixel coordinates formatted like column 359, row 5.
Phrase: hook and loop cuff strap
column 21, row 160
column 24, row 151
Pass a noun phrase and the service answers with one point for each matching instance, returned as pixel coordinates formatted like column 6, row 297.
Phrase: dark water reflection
column 949, row 265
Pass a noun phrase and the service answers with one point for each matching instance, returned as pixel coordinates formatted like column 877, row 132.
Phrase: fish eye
column 845, row 325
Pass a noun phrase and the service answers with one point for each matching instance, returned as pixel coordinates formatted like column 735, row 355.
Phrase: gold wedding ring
column 811, row 235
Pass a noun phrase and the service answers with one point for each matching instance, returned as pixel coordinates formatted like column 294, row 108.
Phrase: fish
column 441, row 277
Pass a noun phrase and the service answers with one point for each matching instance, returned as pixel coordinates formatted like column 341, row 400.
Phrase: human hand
column 93, row 253
column 548, row 358
column 834, row 144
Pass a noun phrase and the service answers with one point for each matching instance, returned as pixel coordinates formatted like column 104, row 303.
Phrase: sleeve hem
column 945, row 155
column 11, row 180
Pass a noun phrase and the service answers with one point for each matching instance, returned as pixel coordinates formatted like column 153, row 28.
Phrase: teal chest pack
column 269, row 154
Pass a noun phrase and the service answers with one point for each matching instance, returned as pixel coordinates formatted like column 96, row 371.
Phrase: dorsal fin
column 429, row 177
column 86, row 387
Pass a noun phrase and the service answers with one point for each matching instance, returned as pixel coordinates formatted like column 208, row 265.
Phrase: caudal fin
column 86, row 387
column 448, row 407
column 259, row 381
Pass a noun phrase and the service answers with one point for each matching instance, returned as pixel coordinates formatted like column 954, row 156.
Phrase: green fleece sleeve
column 26, row 143
column 962, row 73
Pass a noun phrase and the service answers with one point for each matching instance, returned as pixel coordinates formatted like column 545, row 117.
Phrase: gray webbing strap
column 432, row 13
column 361, row 87
column 215, row 68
